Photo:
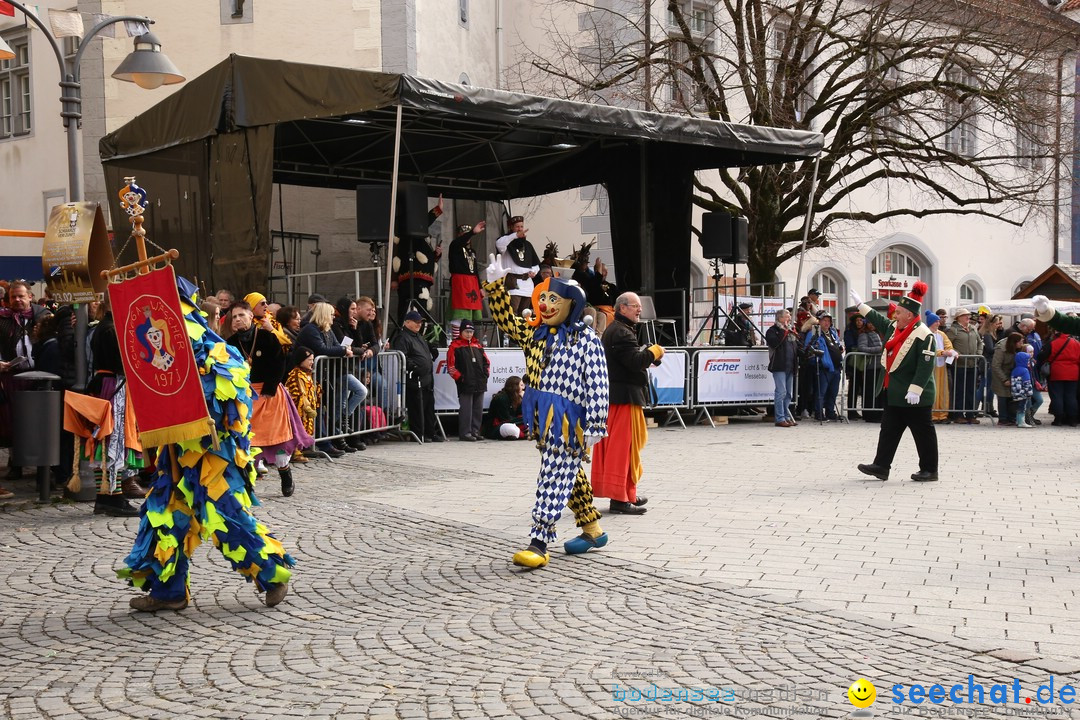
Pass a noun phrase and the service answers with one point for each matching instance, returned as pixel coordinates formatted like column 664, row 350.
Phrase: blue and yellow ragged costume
column 211, row 494
column 564, row 405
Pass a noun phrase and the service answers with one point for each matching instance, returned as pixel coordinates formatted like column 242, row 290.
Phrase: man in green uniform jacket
column 908, row 379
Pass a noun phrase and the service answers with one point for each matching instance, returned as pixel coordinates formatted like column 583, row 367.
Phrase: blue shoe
column 583, row 544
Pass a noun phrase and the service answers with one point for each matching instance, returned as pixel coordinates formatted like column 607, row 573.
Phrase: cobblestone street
column 767, row 571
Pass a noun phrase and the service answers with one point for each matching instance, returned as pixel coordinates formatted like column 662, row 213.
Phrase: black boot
column 115, row 505
column 286, row 481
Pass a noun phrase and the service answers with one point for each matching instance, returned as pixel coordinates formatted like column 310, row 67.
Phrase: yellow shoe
column 530, row 558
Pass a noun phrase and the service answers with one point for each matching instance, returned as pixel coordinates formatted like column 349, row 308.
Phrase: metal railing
column 293, row 279
column 964, row 397
column 359, row 396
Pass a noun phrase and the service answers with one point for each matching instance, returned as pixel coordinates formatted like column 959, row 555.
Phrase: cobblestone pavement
column 764, row 564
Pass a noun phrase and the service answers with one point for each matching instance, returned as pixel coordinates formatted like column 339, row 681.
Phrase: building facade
column 485, row 43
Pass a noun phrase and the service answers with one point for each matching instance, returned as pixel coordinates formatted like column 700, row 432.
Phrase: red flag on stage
column 7, row 9
column 162, row 379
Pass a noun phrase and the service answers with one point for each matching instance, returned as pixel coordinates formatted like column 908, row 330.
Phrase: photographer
column 824, row 342
column 783, row 343
column 739, row 332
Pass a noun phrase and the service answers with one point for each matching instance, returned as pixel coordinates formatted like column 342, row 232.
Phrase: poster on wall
column 733, row 376
column 504, row 363
column 668, row 379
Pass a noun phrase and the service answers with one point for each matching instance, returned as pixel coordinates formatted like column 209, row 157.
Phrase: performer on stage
column 908, row 359
column 523, row 265
column 466, row 300
column 413, row 266
column 200, row 492
column 565, row 405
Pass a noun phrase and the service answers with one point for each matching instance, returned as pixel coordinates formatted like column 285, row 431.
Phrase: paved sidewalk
column 992, row 551
column 405, row 604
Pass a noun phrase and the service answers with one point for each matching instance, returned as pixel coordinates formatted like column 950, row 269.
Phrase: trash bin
column 38, row 414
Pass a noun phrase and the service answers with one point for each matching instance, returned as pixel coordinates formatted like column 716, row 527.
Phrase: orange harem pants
column 616, row 465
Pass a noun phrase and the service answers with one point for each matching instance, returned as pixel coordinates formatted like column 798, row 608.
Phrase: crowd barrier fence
column 382, row 407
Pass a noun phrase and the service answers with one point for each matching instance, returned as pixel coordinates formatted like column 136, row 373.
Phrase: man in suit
column 908, row 360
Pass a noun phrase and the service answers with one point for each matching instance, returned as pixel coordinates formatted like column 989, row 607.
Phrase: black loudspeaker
column 716, row 235
column 740, row 250
column 373, row 211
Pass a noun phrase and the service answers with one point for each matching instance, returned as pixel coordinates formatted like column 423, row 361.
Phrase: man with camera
column 828, row 354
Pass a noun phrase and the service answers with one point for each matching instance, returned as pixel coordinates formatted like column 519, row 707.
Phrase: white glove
column 912, row 398
column 495, row 269
column 1042, row 304
column 591, row 440
column 855, row 299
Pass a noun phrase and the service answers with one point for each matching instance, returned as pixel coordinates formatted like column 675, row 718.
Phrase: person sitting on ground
column 504, row 420
column 470, row 368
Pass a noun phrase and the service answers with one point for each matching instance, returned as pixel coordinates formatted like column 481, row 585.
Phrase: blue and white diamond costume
column 565, row 405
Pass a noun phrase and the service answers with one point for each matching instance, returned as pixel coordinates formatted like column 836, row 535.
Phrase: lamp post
column 146, row 66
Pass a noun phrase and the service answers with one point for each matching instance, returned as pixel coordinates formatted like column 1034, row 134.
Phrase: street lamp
column 147, row 67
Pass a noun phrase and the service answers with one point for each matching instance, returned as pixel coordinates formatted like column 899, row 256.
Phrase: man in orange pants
column 616, row 467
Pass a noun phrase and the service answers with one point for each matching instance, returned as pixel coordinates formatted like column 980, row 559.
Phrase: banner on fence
column 668, row 379
column 504, row 363
column 733, row 376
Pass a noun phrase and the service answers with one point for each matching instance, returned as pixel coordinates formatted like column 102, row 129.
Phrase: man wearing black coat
column 419, row 377
column 616, row 467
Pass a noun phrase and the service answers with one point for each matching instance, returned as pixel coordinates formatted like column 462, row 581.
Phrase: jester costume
column 565, row 406
column 205, row 493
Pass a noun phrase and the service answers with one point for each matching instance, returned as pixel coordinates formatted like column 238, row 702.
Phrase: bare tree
column 927, row 108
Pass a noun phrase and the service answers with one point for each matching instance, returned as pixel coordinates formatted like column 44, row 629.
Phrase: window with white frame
column 969, row 293
column 697, row 13
column 895, row 262
column 829, row 286
column 794, row 71
column 883, row 77
column 1030, row 143
column 960, row 115
column 15, row 95
column 680, row 90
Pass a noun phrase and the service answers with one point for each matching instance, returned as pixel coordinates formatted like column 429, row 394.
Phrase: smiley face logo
column 862, row 693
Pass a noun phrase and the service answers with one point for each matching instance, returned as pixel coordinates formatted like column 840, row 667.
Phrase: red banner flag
column 7, row 9
column 162, row 379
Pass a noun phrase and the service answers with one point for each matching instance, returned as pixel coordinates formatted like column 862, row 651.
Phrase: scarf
column 893, row 346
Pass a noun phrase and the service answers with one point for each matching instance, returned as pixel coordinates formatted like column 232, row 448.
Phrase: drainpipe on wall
column 1057, row 162
column 498, row 44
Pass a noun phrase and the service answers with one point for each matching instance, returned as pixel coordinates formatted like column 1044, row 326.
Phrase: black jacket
column 265, row 356
column 628, row 365
column 419, row 356
column 319, row 342
column 783, row 349
column 462, row 260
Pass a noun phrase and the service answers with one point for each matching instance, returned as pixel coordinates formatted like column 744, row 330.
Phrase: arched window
column 970, row 293
column 893, row 273
column 829, row 286
column 1020, row 287
column 463, row 79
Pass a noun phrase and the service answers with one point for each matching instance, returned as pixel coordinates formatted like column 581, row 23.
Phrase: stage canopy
column 212, row 151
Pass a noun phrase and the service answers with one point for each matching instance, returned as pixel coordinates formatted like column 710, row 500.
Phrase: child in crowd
column 1022, row 389
column 469, row 366
column 303, row 390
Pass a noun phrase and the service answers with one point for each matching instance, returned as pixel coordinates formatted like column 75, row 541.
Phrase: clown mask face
column 553, row 308
column 154, row 337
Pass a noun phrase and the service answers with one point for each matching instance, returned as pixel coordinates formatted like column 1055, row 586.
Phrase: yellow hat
column 254, row 298
column 983, row 310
